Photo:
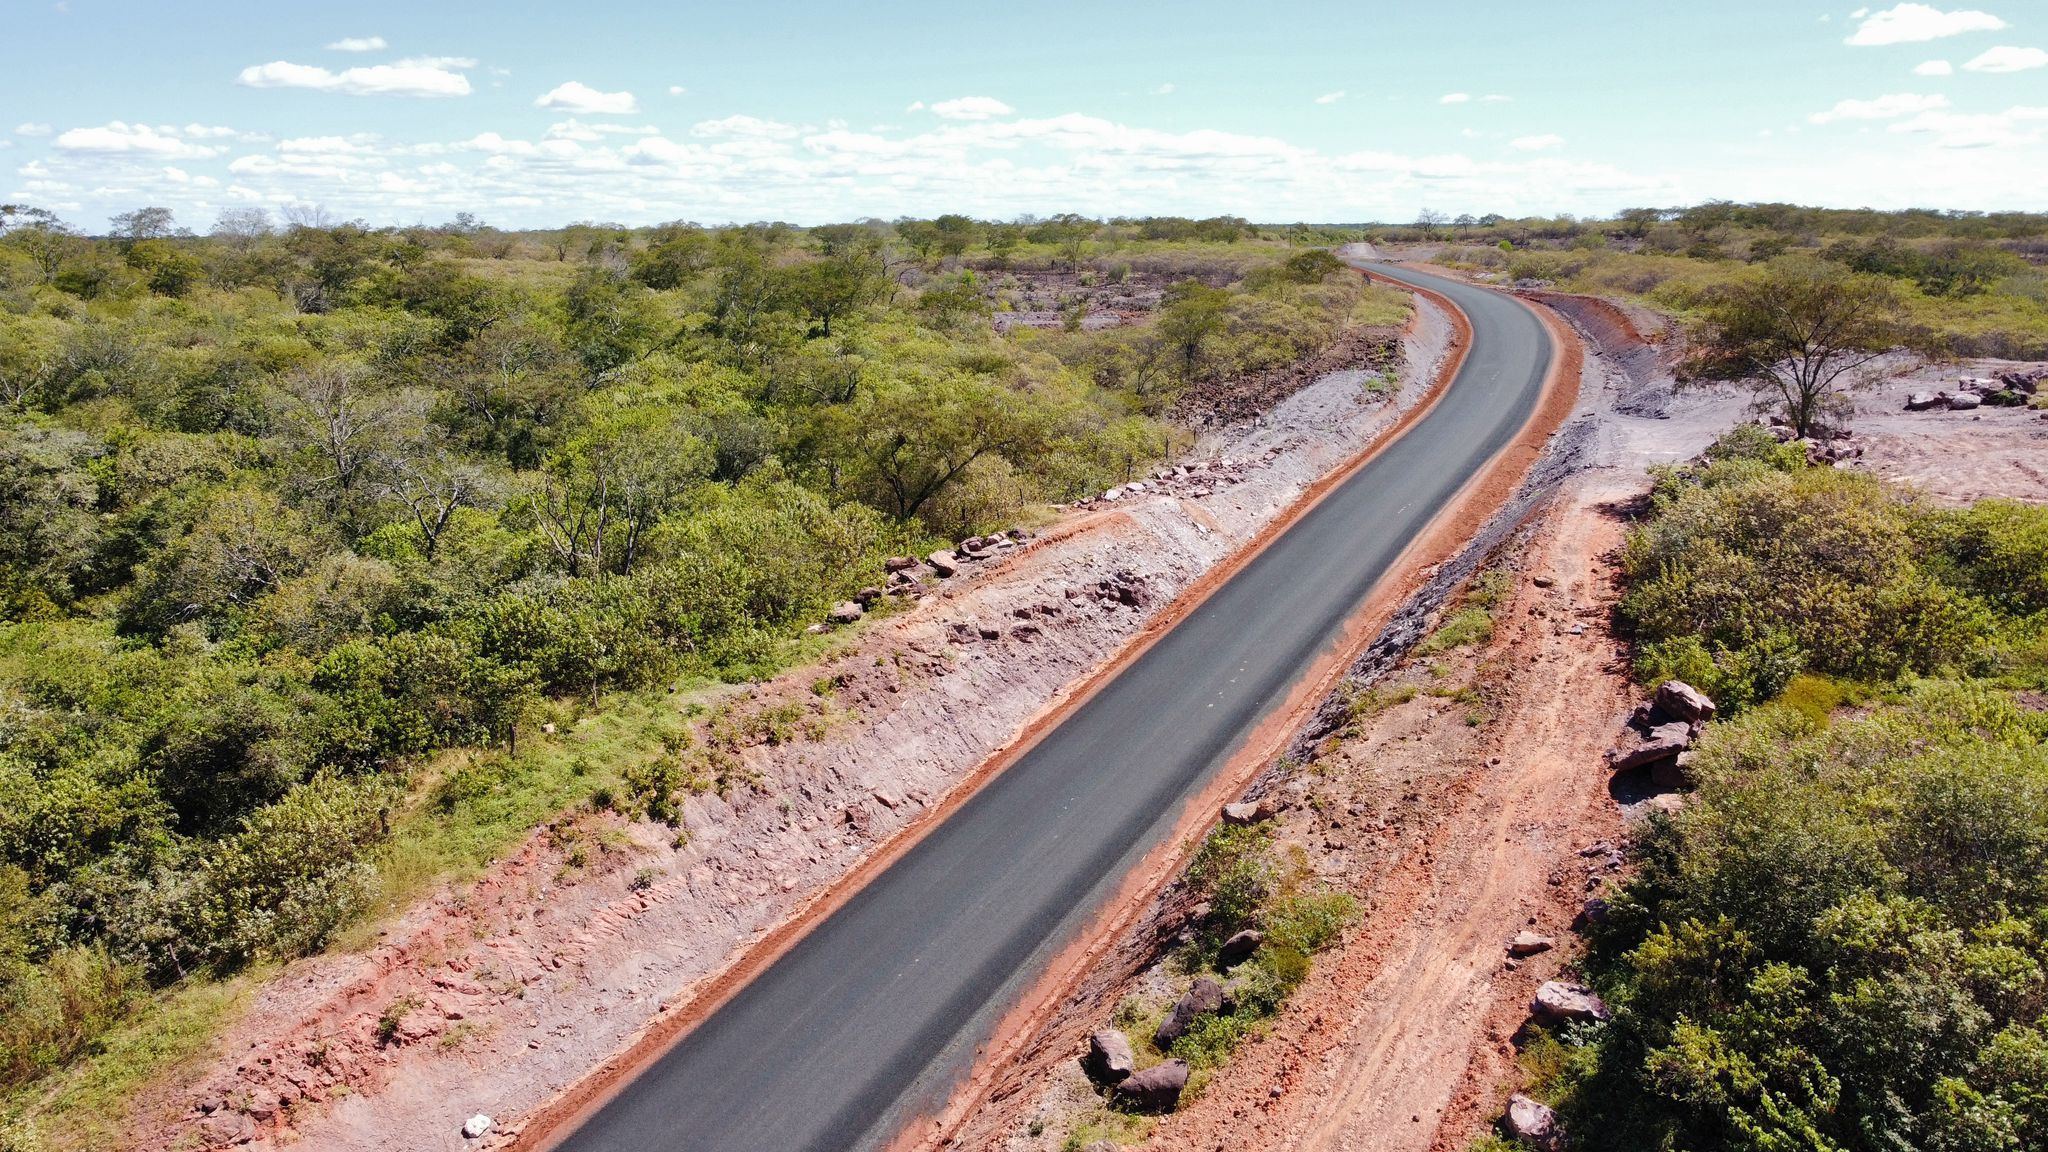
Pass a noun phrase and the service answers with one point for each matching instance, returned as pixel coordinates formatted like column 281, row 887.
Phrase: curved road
column 874, row 1016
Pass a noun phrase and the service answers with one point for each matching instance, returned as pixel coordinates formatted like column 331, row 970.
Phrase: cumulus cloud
column 31, row 129
column 1912, row 23
column 2005, row 59
column 1934, row 68
column 676, row 89
column 1455, row 98
column 1543, row 143
column 358, row 44
column 971, row 108
column 582, row 99
column 419, row 76
column 116, row 138
column 1881, row 108
column 1330, row 97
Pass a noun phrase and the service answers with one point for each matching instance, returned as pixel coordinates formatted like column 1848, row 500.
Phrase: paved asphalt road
column 870, row 1019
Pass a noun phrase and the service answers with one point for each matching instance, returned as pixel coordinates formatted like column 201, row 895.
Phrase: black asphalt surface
column 870, row 1020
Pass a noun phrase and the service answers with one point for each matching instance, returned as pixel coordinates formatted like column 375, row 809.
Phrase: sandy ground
column 514, row 987
column 1455, row 836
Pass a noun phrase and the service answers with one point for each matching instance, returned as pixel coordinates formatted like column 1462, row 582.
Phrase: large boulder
column 1532, row 1122
column 1156, row 1089
column 899, row 563
column 943, row 562
column 1664, row 742
column 1682, row 701
column 1925, row 401
column 1109, row 1059
column 476, row 1126
column 1560, row 1003
column 1205, row 996
column 1963, row 401
column 1239, row 948
column 846, row 612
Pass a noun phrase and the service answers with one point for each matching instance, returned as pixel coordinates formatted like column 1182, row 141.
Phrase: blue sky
column 529, row 114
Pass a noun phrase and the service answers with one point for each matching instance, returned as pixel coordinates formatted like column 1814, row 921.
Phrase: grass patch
column 87, row 1105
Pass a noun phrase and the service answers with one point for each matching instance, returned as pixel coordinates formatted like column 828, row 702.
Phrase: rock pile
column 1121, row 589
column 2006, row 390
column 1202, row 478
column 907, row 575
column 1662, row 730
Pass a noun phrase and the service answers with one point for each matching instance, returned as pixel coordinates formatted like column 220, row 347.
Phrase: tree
column 922, row 236
column 145, row 224
column 846, row 278
column 598, row 495
column 432, row 483
column 1429, row 222
column 956, row 233
column 334, row 413
column 1192, row 312
column 1802, row 332
column 1003, row 239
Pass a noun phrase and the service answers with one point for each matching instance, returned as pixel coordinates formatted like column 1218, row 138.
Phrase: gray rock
column 1664, row 742
column 1682, row 701
column 1239, row 948
column 1529, row 944
column 1109, row 1059
column 476, row 1126
column 1923, row 401
column 1158, row 1088
column 1250, row 812
column 846, row 612
column 1531, row 1122
column 899, row 563
column 1560, row 1003
column 1964, row 401
column 866, row 597
column 943, row 562
column 1205, row 996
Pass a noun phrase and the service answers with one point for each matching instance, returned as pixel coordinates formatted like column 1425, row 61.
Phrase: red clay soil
column 1050, row 1019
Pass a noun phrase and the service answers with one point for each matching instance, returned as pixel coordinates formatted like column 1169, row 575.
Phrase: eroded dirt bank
column 495, row 997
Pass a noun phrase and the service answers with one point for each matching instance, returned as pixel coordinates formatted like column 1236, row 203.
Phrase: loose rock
column 1109, row 1059
column 846, row 612
column 943, row 562
column 1560, row 1003
column 476, row 1126
column 1205, row 996
column 1682, row 701
column 1158, row 1088
column 1531, row 1122
column 1529, row 944
column 1664, row 742
column 1249, row 812
column 899, row 563
column 1239, row 948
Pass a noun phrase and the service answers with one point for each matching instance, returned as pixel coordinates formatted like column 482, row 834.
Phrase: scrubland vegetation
column 1842, row 942
column 304, row 531
column 1969, row 284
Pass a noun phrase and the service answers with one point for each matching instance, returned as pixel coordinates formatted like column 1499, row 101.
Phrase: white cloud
column 589, row 133
column 752, row 127
column 1543, row 143
column 118, row 138
column 2012, row 128
column 580, row 98
column 358, row 44
column 971, row 108
column 1882, row 108
column 1934, row 68
column 1912, row 23
column 676, row 89
column 1164, row 89
column 31, row 129
column 1330, row 97
column 1496, row 98
column 421, row 76
column 2007, row 59
column 1455, row 98
column 914, row 106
